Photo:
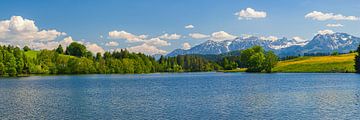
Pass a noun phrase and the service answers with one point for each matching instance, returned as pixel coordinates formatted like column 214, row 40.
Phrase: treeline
column 187, row 63
column 76, row 59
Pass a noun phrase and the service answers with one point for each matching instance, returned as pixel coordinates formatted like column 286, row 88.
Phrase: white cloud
column 20, row 29
column 127, row 36
column 112, row 44
column 221, row 35
column 299, row 39
column 50, row 45
column 245, row 36
column 324, row 32
column 316, row 15
column 66, row 41
column 249, row 14
column 189, row 27
column 198, row 36
column 335, row 25
column 271, row 38
column 186, row 46
column 170, row 36
column 94, row 48
column 157, row 42
column 146, row 49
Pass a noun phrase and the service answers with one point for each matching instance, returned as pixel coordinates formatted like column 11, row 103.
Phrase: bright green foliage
column 270, row 61
column 78, row 60
column 255, row 59
column 14, row 62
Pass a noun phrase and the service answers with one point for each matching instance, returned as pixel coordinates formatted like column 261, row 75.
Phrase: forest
column 76, row 59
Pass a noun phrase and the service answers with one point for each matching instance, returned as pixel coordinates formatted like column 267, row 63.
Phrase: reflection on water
column 182, row 96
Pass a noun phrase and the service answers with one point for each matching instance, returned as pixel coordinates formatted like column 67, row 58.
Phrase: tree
column 10, row 64
column 255, row 63
column 26, row 48
column 98, row 56
column 229, row 65
column 270, row 61
column 76, row 49
column 357, row 60
column 59, row 49
column 245, row 57
column 335, row 53
column 255, row 59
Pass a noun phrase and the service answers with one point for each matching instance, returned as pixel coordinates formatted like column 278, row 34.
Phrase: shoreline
column 222, row 71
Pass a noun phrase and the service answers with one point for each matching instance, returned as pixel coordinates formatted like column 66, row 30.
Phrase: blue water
column 182, row 96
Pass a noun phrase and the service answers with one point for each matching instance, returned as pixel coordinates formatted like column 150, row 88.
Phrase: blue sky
column 86, row 21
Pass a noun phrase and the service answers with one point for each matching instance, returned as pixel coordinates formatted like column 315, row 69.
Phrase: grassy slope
column 31, row 54
column 340, row 63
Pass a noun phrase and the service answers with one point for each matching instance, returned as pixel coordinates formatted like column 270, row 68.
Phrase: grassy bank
column 316, row 64
column 340, row 63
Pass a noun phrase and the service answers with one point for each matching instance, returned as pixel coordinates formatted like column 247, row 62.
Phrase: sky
column 160, row 26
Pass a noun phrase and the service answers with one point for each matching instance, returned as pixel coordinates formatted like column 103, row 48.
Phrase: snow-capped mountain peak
column 321, row 43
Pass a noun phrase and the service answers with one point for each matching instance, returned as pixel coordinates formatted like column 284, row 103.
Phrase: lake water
column 182, row 96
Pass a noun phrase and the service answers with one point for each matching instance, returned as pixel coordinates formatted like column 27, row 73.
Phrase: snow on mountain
column 321, row 43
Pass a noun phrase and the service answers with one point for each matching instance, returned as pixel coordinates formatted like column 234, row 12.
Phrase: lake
column 182, row 96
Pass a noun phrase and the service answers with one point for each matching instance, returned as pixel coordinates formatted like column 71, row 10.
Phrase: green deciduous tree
column 76, row 49
column 255, row 59
column 59, row 49
column 26, row 48
column 270, row 61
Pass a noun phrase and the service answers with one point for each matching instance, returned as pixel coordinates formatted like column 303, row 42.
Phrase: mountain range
column 321, row 43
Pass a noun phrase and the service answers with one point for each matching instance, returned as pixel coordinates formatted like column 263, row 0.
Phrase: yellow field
column 340, row 63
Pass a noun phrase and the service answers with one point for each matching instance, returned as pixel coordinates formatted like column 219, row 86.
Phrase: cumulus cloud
column 127, row 36
column 221, row 35
column 198, row 36
column 189, row 27
column 157, row 42
column 20, row 29
column 94, row 48
column 112, row 44
column 316, row 15
column 249, row 14
column 335, row 25
column 170, row 36
column 324, row 32
column 50, row 45
column 146, row 49
column 271, row 38
column 186, row 46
